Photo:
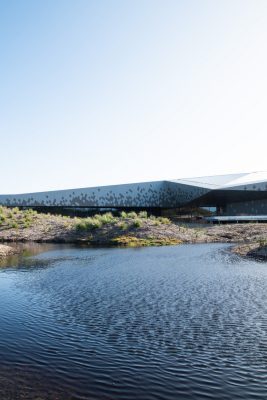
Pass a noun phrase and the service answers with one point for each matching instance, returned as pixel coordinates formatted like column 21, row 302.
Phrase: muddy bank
column 252, row 250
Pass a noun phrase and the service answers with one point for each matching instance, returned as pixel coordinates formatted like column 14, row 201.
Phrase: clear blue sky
column 96, row 92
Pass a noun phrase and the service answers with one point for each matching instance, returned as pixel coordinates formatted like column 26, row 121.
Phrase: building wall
column 161, row 194
column 254, row 207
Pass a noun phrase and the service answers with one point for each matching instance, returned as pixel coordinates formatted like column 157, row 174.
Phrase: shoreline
column 126, row 230
column 248, row 250
column 251, row 250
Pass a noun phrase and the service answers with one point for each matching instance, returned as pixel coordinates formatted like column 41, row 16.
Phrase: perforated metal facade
column 237, row 193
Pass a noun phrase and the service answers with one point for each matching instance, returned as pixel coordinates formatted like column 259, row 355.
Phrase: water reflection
column 25, row 250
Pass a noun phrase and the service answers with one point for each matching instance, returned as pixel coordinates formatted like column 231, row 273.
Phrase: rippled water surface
column 182, row 322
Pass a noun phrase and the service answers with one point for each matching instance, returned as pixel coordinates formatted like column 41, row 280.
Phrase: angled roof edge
column 210, row 181
column 250, row 179
column 217, row 182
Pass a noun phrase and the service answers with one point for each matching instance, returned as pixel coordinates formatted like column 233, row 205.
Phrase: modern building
column 236, row 194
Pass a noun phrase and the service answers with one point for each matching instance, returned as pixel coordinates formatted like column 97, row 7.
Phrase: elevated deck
column 230, row 219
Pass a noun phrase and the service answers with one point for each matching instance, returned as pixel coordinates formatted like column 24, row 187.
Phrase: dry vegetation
column 105, row 229
column 127, row 229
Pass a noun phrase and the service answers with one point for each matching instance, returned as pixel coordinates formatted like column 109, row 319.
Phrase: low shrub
column 88, row 223
column 2, row 218
column 31, row 212
column 122, row 225
column 132, row 241
column 81, row 226
column 142, row 214
column 138, row 223
column 164, row 220
column 106, row 218
column 132, row 214
column 27, row 220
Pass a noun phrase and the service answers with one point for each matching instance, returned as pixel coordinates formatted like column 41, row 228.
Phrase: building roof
column 225, row 181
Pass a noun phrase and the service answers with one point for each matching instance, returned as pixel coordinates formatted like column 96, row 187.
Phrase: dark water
column 186, row 322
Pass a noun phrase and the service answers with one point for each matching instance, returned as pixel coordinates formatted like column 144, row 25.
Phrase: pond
column 179, row 322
